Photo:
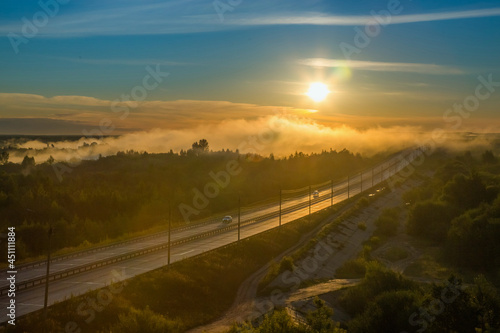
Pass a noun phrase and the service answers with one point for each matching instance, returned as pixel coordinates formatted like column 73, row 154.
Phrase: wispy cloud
column 147, row 114
column 322, row 19
column 382, row 66
column 176, row 17
column 124, row 62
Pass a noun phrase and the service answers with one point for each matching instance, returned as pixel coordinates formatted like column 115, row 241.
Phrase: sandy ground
column 321, row 263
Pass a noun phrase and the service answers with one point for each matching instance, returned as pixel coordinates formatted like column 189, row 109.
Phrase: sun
column 318, row 91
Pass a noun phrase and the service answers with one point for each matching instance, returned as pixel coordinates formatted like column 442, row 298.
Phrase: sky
column 113, row 67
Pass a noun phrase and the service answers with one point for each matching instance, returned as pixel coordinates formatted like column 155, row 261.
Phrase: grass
column 395, row 253
column 429, row 265
column 357, row 202
column 362, row 226
column 352, row 269
column 191, row 292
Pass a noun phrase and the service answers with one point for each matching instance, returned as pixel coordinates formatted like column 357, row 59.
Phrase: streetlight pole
column 361, row 176
column 331, row 199
column 47, row 277
column 239, row 217
column 348, row 187
column 373, row 174
column 169, row 229
column 280, row 210
column 309, row 199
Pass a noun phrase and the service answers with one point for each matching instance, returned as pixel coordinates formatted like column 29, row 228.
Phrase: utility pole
column 348, row 187
column 331, row 183
column 309, row 199
column 169, row 229
column 280, row 210
column 47, row 278
column 361, row 176
column 239, row 217
column 373, row 174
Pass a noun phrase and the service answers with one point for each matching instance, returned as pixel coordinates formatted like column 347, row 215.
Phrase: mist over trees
column 132, row 191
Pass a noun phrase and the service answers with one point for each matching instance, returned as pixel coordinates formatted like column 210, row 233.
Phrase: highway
column 190, row 242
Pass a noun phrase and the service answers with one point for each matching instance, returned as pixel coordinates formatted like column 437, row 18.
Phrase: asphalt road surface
column 31, row 299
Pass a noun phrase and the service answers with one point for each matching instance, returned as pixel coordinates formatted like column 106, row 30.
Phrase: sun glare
column 318, row 91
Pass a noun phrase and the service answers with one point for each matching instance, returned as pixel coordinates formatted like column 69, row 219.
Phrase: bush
column 388, row 222
column 145, row 321
column 286, row 264
column 395, row 254
column 351, row 269
column 377, row 280
column 389, row 312
column 430, row 220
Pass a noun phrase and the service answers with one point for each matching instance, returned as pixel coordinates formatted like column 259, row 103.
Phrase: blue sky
column 261, row 56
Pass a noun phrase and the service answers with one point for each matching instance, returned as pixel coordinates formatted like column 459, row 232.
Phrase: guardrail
column 107, row 261
column 141, row 238
column 103, row 262
column 108, row 246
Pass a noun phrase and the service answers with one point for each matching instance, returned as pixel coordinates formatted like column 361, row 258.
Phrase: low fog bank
column 279, row 135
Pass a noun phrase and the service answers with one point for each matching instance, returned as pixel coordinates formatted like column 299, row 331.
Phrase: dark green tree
column 320, row 321
column 452, row 308
column 201, row 146
column 28, row 162
column 488, row 157
column 4, row 157
column 430, row 219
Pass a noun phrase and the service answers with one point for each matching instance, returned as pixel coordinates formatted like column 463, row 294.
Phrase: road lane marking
column 29, row 304
column 180, row 254
column 84, row 282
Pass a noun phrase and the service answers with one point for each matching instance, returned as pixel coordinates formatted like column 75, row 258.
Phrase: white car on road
column 227, row 219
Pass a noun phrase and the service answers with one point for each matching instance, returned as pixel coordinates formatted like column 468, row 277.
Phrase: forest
column 456, row 210
column 459, row 209
column 132, row 192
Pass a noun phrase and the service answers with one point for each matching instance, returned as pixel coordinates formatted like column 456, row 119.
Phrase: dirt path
column 245, row 302
column 348, row 242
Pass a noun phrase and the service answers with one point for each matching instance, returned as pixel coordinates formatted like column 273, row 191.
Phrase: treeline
column 459, row 208
column 131, row 191
column 385, row 301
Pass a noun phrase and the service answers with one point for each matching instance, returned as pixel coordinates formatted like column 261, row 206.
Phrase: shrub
column 362, row 226
column 352, row 269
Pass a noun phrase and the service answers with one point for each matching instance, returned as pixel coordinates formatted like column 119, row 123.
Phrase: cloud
column 278, row 134
column 122, row 62
column 46, row 126
column 179, row 17
column 92, row 112
column 338, row 20
column 381, row 66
